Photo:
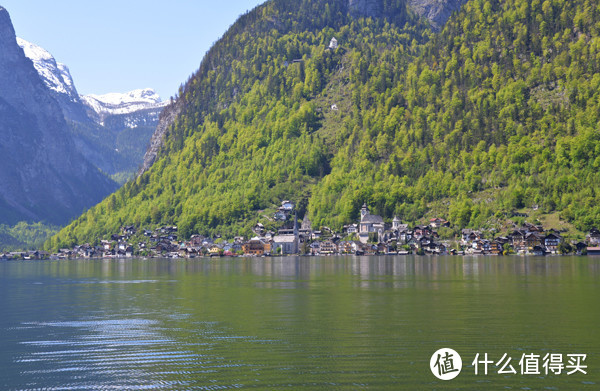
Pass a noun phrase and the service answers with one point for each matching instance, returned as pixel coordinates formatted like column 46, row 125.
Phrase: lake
column 329, row 323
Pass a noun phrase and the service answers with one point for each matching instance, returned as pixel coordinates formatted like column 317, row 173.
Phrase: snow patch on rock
column 54, row 74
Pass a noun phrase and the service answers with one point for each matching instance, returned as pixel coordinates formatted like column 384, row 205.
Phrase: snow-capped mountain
column 54, row 74
column 115, row 103
column 127, row 105
column 138, row 107
column 43, row 175
column 111, row 130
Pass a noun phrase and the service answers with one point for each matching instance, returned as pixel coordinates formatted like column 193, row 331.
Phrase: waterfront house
column 106, row 245
column 519, row 241
column 315, row 248
column 237, row 247
column 215, row 250
column 349, row 247
column 328, row 247
column 533, row 239
column 414, row 244
column 551, row 242
column 593, row 251
column 496, row 248
column 593, row 237
column 256, row 247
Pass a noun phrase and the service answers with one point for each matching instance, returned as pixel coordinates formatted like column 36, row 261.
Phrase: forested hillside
column 500, row 111
column 496, row 112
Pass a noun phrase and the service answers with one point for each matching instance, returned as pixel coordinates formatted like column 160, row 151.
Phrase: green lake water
column 330, row 323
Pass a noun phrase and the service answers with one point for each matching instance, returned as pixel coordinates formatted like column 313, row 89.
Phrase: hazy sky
column 118, row 46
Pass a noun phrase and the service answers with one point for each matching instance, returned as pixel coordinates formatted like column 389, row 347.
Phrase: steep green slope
column 251, row 129
column 496, row 112
column 500, row 112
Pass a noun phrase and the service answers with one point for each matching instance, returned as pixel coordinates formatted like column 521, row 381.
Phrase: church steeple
column 396, row 223
column 295, row 224
column 364, row 211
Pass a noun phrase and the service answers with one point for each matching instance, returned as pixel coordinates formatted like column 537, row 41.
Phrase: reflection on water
column 290, row 323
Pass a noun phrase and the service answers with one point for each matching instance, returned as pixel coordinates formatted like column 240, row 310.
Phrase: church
column 369, row 224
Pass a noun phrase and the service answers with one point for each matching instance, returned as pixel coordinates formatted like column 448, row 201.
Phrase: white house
column 333, row 44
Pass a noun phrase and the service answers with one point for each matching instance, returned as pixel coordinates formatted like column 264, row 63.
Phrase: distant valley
column 61, row 152
column 111, row 130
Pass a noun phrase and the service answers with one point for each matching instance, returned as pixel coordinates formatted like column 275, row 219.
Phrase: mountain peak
column 145, row 95
column 9, row 52
column 118, row 103
column 43, row 176
column 5, row 23
column 54, row 74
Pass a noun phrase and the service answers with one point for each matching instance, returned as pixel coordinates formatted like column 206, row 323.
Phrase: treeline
column 25, row 236
column 503, row 102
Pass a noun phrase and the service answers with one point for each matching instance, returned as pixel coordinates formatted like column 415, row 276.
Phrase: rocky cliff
column 436, row 11
column 368, row 8
column 43, row 177
column 57, row 78
column 167, row 117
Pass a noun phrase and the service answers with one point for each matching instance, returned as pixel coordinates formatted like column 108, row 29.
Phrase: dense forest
column 497, row 112
column 25, row 236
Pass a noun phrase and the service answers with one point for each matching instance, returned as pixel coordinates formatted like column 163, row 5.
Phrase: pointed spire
column 364, row 211
column 295, row 223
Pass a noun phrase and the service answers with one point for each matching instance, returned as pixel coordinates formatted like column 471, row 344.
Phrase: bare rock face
column 167, row 117
column 42, row 177
column 365, row 8
column 436, row 11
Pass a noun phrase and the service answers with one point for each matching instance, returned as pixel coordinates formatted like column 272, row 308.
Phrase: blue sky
column 118, row 46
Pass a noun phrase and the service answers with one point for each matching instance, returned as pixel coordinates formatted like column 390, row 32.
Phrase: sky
column 119, row 46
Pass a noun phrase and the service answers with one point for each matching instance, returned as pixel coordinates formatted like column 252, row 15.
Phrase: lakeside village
column 371, row 236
